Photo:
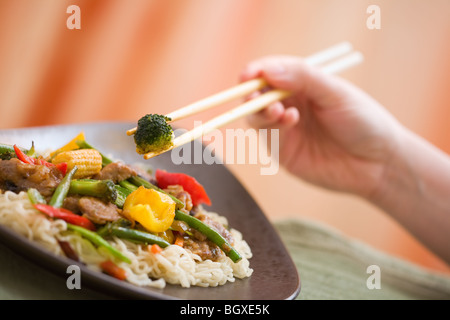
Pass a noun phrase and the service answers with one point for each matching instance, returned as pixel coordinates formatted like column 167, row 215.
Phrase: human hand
column 331, row 133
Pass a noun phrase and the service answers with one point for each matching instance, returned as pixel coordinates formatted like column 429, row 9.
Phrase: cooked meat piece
column 98, row 211
column 205, row 249
column 200, row 245
column 178, row 192
column 116, row 171
column 198, row 235
column 17, row 176
column 72, row 203
column 217, row 226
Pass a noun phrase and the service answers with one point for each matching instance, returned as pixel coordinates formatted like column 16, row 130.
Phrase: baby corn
column 88, row 161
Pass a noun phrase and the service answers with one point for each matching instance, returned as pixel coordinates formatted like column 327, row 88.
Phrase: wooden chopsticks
column 345, row 59
column 215, row 100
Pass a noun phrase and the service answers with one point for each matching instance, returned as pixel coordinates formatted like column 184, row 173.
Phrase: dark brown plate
column 275, row 276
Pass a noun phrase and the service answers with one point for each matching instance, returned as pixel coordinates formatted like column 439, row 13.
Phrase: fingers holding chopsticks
column 275, row 116
column 298, row 76
column 278, row 81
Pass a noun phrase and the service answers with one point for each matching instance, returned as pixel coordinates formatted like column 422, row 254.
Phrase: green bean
column 210, row 233
column 32, row 151
column 128, row 185
column 122, row 194
column 99, row 241
column 35, row 196
column 61, row 191
column 133, row 235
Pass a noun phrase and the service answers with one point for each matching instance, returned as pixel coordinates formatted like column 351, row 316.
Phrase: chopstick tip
column 149, row 155
column 131, row 131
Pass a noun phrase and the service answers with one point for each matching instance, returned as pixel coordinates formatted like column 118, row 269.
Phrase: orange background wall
column 133, row 57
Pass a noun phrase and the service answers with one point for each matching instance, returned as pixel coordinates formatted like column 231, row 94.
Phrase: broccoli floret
column 7, row 151
column 153, row 134
column 7, row 155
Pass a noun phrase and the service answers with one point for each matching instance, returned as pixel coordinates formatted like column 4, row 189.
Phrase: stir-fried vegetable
column 139, row 181
column 153, row 134
column 32, row 151
column 61, row 191
column 133, row 182
column 120, row 230
column 155, row 249
column 35, row 196
column 105, row 189
column 122, row 194
column 179, row 241
column 113, row 270
column 71, row 145
column 128, row 185
column 66, row 215
column 68, row 250
column 37, row 161
column 85, row 145
column 210, row 233
column 40, row 204
column 99, row 241
column 189, row 184
column 88, row 161
column 7, row 151
column 153, row 216
column 152, row 209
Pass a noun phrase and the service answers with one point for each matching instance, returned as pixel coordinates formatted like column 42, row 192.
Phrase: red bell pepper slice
column 189, row 184
column 66, row 215
column 30, row 160
column 61, row 167
column 113, row 270
column 22, row 156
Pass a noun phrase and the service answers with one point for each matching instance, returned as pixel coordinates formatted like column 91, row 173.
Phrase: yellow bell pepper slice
column 154, row 210
column 71, row 145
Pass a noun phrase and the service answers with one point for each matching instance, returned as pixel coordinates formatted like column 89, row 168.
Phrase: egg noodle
column 173, row 265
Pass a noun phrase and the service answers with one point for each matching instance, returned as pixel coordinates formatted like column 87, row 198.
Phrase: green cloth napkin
column 333, row 266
